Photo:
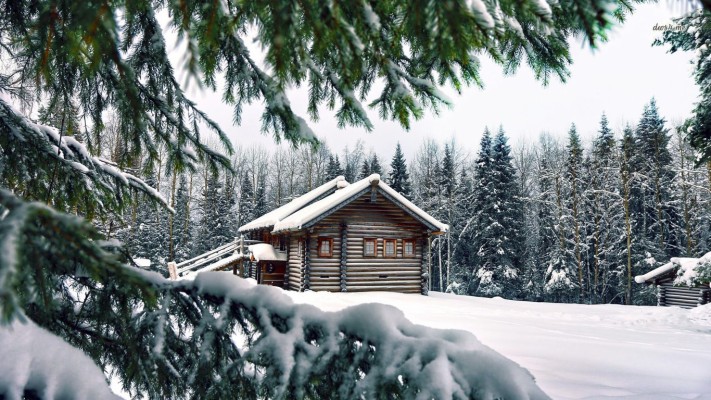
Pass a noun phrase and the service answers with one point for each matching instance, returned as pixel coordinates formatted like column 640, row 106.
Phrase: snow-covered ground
column 574, row 351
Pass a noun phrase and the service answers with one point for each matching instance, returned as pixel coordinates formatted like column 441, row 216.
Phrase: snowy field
column 574, row 351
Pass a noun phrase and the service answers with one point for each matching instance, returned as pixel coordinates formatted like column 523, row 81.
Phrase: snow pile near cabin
column 701, row 315
column 574, row 351
column 31, row 358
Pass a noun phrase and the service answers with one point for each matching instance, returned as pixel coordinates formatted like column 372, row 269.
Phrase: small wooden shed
column 362, row 236
column 677, row 284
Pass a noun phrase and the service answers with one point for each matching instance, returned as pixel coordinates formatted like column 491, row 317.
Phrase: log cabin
column 677, row 283
column 350, row 237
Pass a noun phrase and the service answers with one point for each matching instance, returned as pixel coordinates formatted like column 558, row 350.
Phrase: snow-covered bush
column 694, row 272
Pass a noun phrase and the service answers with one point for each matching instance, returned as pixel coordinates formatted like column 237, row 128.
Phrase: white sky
column 619, row 78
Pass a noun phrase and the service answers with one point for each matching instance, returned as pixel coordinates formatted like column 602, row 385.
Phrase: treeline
column 550, row 220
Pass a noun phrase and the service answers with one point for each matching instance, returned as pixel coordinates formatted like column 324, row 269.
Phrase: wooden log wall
column 253, row 270
column 682, row 296
column 325, row 272
column 379, row 220
column 293, row 282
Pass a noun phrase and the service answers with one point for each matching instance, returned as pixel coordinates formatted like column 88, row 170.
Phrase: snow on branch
column 362, row 351
column 90, row 171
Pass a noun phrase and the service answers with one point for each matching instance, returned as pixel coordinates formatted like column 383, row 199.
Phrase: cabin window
column 325, row 247
column 390, row 248
column 369, row 247
column 408, row 247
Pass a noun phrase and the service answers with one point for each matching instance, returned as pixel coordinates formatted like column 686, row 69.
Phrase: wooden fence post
column 172, row 271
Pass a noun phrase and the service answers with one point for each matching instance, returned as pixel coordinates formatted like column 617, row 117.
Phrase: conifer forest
column 556, row 220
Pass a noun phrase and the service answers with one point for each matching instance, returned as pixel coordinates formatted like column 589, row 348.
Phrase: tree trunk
column 171, row 220
column 628, row 231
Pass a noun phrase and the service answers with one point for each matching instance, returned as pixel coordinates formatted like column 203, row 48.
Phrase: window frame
column 385, row 248
column 375, row 247
column 322, row 239
column 404, row 247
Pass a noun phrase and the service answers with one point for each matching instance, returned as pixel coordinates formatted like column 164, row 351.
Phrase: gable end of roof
column 408, row 210
column 335, row 208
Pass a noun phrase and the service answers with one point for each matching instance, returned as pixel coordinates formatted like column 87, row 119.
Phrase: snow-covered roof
column 142, row 262
column 687, row 268
column 216, row 266
column 271, row 218
column 266, row 252
column 307, row 214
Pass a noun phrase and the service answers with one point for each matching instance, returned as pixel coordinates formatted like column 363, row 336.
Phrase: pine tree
column 653, row 189
column 447, row 183
column 498, row 239
column 260, row 199
column 461, row 249
column 575, row 183
column 692, row 195
column 446, row 175
column 334, row 167
column 215, row 224
column 559, row 279
column 695, row 37
column 62, row 115
column 399, row 179
column 532, row 274
column 475, row 229
column 246, row 201
column 375, row 167
column 182, row 226
column 606, row 222
column 349, row 173
column 365, row 170
column 148, row 237
column 653, row 212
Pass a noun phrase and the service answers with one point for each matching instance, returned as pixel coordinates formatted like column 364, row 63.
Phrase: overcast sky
column 619, row 78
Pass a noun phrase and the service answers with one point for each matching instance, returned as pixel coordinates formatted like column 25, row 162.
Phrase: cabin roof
column 313, row 212
column 269, row 219
column 685, row 275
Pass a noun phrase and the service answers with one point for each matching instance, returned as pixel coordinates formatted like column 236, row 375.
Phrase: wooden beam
column 429, row 263
column 307, row 263
column 424, row 276
column 172, row 271
column 344, row 256
column 286, row 272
